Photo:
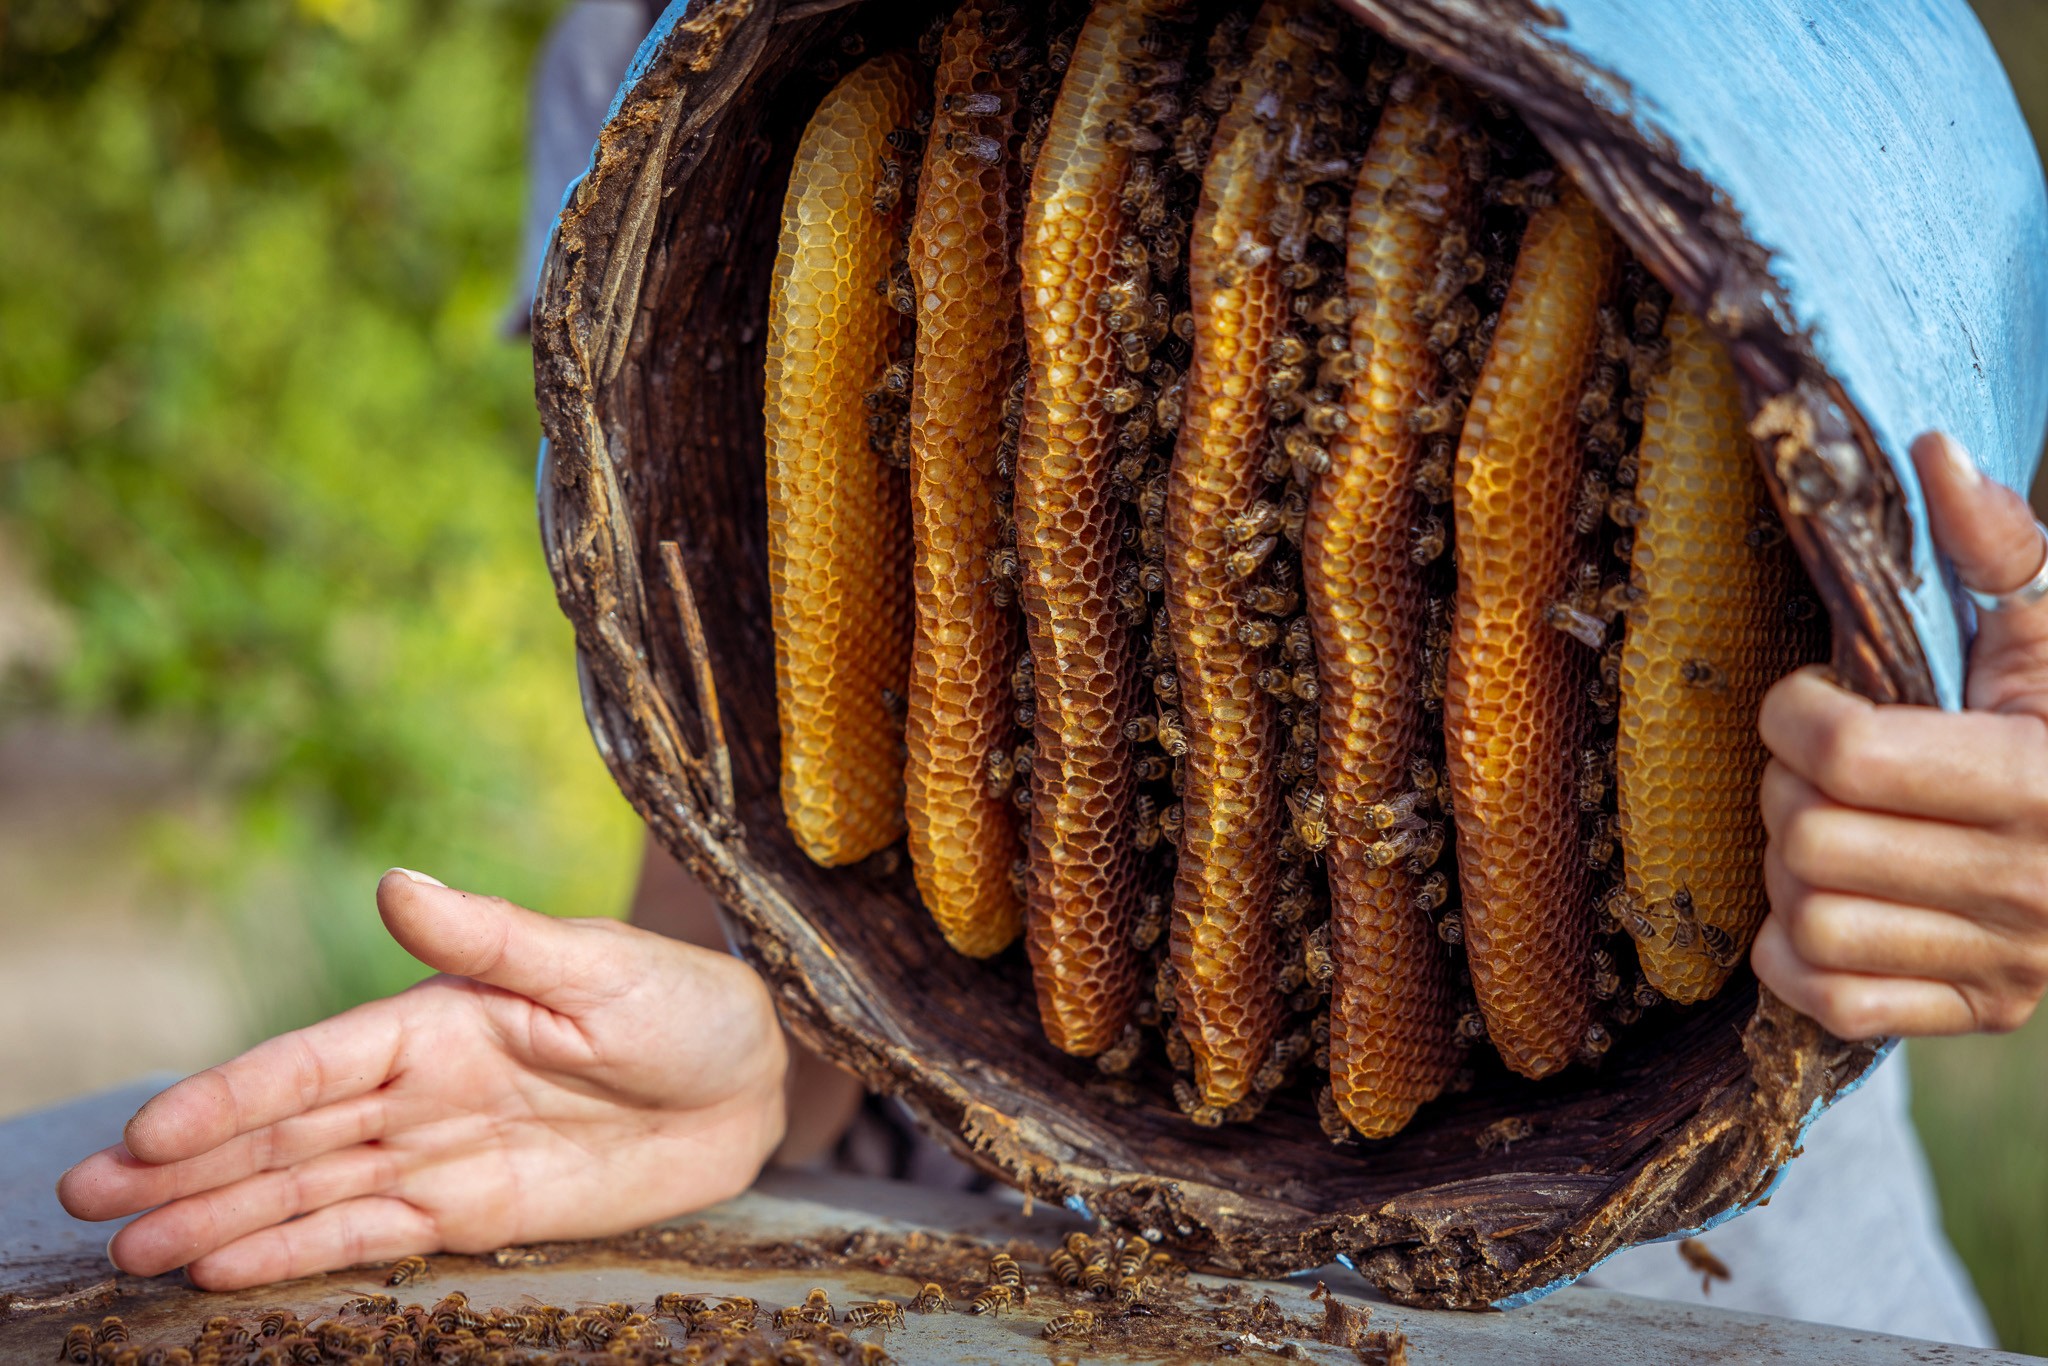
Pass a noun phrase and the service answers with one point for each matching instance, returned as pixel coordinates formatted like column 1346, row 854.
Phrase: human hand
column 561, row 1079
column 1908, row 857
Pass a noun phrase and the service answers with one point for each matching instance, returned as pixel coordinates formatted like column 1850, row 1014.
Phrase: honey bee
column 993, row 1299
column 1451, row 929
column 1596, row 1043
column 1428, row 540
column 870, row 1354
column 1071, row 1324
column 1000, row 771
column 1171, row 821
column 1311, row 807
column 1433, row 893
column 1336, row 1128
column 276, row 1324
column 1203, row 1115
column 1173, row 737
column 1645, row 995
column 1067, row 1261
column 371, row 1304
column 1003, row 1270
column 1317, row 961
column 1178, row 1054
column 1700, row 1259
column 931, row 1299
column 1698, row 673
column 1502, row 1134
column 405, row 1270
column 1606, row 976
column 888, row 1313
column 1472, row 1026
column 1720, row 945
column 79, row 1344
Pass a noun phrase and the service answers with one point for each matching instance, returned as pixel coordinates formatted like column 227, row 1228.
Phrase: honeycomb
column 839, row 546
column 1292, row 569
column 963, row 829
column 1083, row 883
column 1223, row 933
column 1705, row 642
column 1392, row 1040
column 1515, row 713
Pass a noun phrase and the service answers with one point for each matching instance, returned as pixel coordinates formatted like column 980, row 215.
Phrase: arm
column 1908, row 856
column 822, row 1100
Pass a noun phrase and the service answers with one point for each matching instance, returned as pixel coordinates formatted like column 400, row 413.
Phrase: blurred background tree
column 266, row 532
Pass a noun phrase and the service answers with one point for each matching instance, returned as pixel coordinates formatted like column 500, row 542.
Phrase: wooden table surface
column 862, row 1239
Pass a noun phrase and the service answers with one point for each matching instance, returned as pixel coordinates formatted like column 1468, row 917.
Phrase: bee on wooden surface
column 1003, row 1270
column 1502, row 1134
column 405, row 1270
column 870, row 1354
column 887, row 1313
column 993, row 1299
column 1700, row 1259
column 371, row 1304
column 1098, row 1275
column 931, row 1299
column 1073, row 1323
column 1067, row 1261
column 79, row 1344
column 278, row 1323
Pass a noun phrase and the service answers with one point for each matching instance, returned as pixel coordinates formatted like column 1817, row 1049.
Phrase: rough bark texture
column 648, row 340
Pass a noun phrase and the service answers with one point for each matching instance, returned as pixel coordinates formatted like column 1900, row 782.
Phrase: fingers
column 1983, row 526
column 1989, row 533
column 1865, row 935
column 188, row 1229
column 334, row 1060
column 1857, row 1005
column 114, row 1182
column 371, row 1228
column 1959, row 868
column 564, row 964
column 1975, row 768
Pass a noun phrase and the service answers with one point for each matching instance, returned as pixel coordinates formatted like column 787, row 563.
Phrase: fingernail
column 1959, row 460
column 110, row 1253
column 416, row 877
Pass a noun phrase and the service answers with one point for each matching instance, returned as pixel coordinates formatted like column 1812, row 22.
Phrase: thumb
column 558, row 963
column 1990, row 534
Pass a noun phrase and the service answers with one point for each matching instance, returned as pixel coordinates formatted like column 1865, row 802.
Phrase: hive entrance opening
column 855, row 949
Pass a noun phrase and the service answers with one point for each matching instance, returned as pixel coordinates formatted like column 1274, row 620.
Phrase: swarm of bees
column 372, row 1330
column 1317, row 718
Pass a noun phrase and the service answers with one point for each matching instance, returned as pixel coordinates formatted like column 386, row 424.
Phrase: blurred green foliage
column 261, row 436
column 261, row 439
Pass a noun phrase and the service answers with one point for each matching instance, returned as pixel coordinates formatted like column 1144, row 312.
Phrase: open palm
column 561, row 1079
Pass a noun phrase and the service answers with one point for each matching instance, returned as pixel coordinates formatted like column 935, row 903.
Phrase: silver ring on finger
column 2026, row 595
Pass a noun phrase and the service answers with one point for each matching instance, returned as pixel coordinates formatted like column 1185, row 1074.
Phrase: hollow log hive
column 1237, row 506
